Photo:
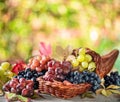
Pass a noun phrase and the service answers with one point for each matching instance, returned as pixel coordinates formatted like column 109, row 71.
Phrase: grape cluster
column 76, row 77
column 83, row 61
column 5, row 73
column 29, row 74
column 38, row 63
column 112, row 79
column 20, row 86
column 57, row 70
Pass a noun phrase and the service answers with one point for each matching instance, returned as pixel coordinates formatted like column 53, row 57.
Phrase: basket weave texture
column 63, row 90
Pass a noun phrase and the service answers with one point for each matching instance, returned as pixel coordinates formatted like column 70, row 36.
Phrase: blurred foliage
column 88, row 23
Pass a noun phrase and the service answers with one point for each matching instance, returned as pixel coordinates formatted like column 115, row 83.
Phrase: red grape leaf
column 45, row 49
column 17, row 67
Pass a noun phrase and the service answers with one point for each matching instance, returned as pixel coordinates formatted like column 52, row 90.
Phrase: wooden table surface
column 48, row 98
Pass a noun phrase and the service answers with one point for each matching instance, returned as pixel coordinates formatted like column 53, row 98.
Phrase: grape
column 80, row 58
column 76, row 77
column 57, row 70
column 39, row 63
column 88, row 57
column 112, row 79
column 91, row 66
column 25, row 92
column 84, row 64
column 5, row 66
column 82, row 51
column 75, row 63
column 20, row 86
column 81, row 69
column 10, row 74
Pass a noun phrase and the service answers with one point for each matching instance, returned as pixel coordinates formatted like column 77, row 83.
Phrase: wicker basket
column 67, row 90
column 63, row 90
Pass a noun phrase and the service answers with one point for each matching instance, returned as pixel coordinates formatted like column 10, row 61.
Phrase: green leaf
column 87, row 94
column 115, row 91
column 113, row 87
column 11, row 96
column 14, row 97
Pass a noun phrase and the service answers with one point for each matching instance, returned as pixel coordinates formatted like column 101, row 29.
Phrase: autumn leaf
column 1, row 93
column 104, row 92
column 45, row 49
column 87, row 94
column 63, row 53
column 98, row 91
column 115, row 91
column 108, row 92
column 113, row 87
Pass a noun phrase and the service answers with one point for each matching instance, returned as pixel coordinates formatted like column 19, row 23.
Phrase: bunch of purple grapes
column 112, row 79
column 20, row 86
column 57, row 70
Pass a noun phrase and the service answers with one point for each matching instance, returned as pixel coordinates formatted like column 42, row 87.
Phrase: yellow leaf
column 113, row 87
column 115, row 91
column 108, row 92
column 104, row 92
column 98, row 91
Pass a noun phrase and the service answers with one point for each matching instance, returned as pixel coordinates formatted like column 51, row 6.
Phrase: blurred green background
column 88, row 23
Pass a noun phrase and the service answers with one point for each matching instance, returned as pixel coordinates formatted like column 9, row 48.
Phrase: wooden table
column 48, row 98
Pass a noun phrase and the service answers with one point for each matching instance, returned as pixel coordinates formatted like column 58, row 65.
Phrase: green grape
column 10, row 74
column 75, row 63
column 5, row 65
column 81, row 58
column 82, row 51
column 81, row 69
column 88, row 57
column 84, row 64
column 91, row 66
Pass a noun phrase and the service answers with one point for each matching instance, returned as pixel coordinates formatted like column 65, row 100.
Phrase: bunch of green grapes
column 83, row 61
column 5, row 73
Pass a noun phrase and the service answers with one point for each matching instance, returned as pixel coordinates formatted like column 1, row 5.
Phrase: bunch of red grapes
column 39, row 63
column 20, row 86
column 57, row 70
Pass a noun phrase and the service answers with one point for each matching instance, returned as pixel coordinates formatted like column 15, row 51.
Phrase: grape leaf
column 87, row 94
column 45, row 49
column 115, row 91
column 98, row 91
column 63, row 52
column 113, row 87
column 108, row 92
column 104, row 92
column 1, row 93
column 14, row 97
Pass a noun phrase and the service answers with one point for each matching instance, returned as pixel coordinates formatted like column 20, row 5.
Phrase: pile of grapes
column 113, row 79
column 76, row 77
column 39, row 63
column 5, row 73
column 29, row 74
column 83, row 61
column 20, row 86
column 57, row 70
column 81, row 69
